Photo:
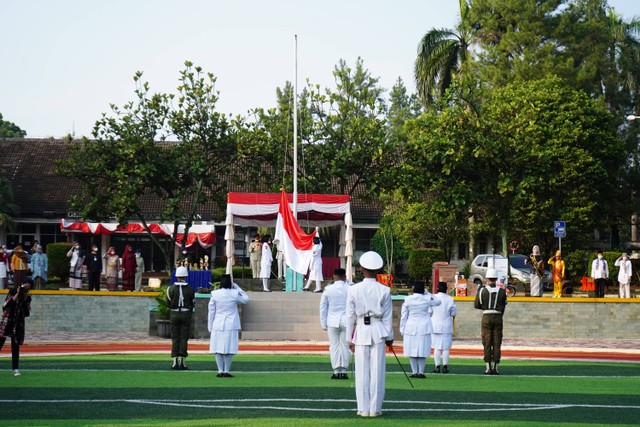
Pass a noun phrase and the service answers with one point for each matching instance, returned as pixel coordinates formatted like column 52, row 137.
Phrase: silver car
column 518, row 269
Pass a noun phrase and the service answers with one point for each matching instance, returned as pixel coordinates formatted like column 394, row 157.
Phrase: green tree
column 402, row 107
column 442, row 54
column 131, row 159
column 540, row 151
column 10, row 130
column 8, row 209
column 604, row 50
column 347, row 144
column 517, row 40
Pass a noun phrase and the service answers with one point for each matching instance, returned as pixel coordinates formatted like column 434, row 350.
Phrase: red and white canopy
column 204, row 234
column 314, row 210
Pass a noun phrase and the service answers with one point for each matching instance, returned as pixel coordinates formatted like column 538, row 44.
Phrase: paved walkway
column 533, row 348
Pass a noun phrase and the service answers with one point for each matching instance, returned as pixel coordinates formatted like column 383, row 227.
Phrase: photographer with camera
column 15, row 309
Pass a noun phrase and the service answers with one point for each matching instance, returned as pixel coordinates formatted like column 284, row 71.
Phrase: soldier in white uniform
column 624, row 275
column 442, row 329
column 333, row 313
column 369, row 323
column 265, row 263
column 224, row 323
column 315, row 268
column 415, row 327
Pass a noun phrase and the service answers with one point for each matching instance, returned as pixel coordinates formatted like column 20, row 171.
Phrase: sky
column 66, row 61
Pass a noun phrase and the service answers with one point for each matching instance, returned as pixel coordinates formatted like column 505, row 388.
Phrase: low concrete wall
column 280, row 316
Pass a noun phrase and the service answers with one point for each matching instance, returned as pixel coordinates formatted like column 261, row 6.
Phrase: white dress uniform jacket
column 265, row 262
column 333, row 305
column 441, row 317
column 415, row 314
column 373, row 299
column 223, row 309
column 624, row 273
column 315, row 268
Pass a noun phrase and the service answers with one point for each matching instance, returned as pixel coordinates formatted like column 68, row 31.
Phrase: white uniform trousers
column 625, row 290
column 339, row 348
column 370, row 376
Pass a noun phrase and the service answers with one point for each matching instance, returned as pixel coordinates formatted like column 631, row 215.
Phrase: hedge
column 421, row 262
column 58, row 261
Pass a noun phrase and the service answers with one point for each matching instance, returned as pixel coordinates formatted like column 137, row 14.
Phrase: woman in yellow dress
column 557, row 271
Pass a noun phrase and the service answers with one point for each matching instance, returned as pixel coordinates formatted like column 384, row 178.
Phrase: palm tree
column 8, row 209
column 442, row 54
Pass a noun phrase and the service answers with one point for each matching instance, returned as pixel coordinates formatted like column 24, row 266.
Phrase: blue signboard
column 559, row 229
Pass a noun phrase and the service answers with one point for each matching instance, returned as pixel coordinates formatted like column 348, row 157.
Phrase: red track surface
column 82, row 348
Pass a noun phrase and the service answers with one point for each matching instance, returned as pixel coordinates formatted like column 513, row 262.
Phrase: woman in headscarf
column 224, row 323
column 129, row 266
column 415, row 327
column 19, row 265
column 113, row 265
column 75, row 266
column 5, row 266
column 39, row 265
column 16, row 307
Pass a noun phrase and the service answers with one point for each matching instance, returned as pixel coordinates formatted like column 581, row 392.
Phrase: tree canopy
column 10, row 129
column 133, row 157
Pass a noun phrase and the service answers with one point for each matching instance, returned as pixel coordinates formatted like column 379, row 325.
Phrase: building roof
column 29, row 165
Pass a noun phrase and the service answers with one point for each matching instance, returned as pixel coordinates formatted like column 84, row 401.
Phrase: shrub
column 421, row 262
column 216, row 273
column 577, row 264
column 58, row 261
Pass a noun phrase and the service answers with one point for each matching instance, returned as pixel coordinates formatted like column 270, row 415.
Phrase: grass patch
column 283, row 390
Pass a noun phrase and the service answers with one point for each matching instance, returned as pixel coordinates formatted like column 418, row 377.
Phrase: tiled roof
column 29, row 165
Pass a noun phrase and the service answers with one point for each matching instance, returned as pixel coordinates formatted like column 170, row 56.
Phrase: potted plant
column 164, row 314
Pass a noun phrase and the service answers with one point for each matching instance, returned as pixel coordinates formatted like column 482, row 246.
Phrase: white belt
column 373, row 320
column 180, row 309
column 491, row 312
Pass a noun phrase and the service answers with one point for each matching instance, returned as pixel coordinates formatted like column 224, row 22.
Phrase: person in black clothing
column 93, row 263
column 16, row 308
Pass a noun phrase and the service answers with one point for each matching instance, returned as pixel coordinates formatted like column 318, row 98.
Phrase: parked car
column 521, row 271
column 518, row 269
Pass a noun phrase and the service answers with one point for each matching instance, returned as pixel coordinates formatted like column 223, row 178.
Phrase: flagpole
column 295, row 128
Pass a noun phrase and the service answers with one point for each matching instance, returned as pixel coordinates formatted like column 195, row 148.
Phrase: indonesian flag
column 293, row 242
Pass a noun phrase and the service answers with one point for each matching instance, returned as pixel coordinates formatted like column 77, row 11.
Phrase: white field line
column 327, row 372
column 434, row 406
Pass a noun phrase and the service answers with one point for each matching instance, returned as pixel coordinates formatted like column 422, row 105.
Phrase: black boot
column 175, row 365
column 183, row 366
column 437, row 370
column 445, row 369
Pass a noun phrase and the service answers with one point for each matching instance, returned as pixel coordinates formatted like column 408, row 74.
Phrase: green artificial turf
column 296, row 390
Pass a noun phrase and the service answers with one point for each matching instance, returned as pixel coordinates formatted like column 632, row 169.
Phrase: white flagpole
column 295, row 128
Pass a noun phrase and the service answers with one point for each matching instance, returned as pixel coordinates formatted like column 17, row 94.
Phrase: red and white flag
column 293, row 242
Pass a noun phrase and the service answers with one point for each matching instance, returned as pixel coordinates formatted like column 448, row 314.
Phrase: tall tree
column 131, row 159
column 402, row 107
column 539, row 151
column 10, row 130
column 347, row 144
column 517, row 40
column 604, row 50
column 442, row 54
